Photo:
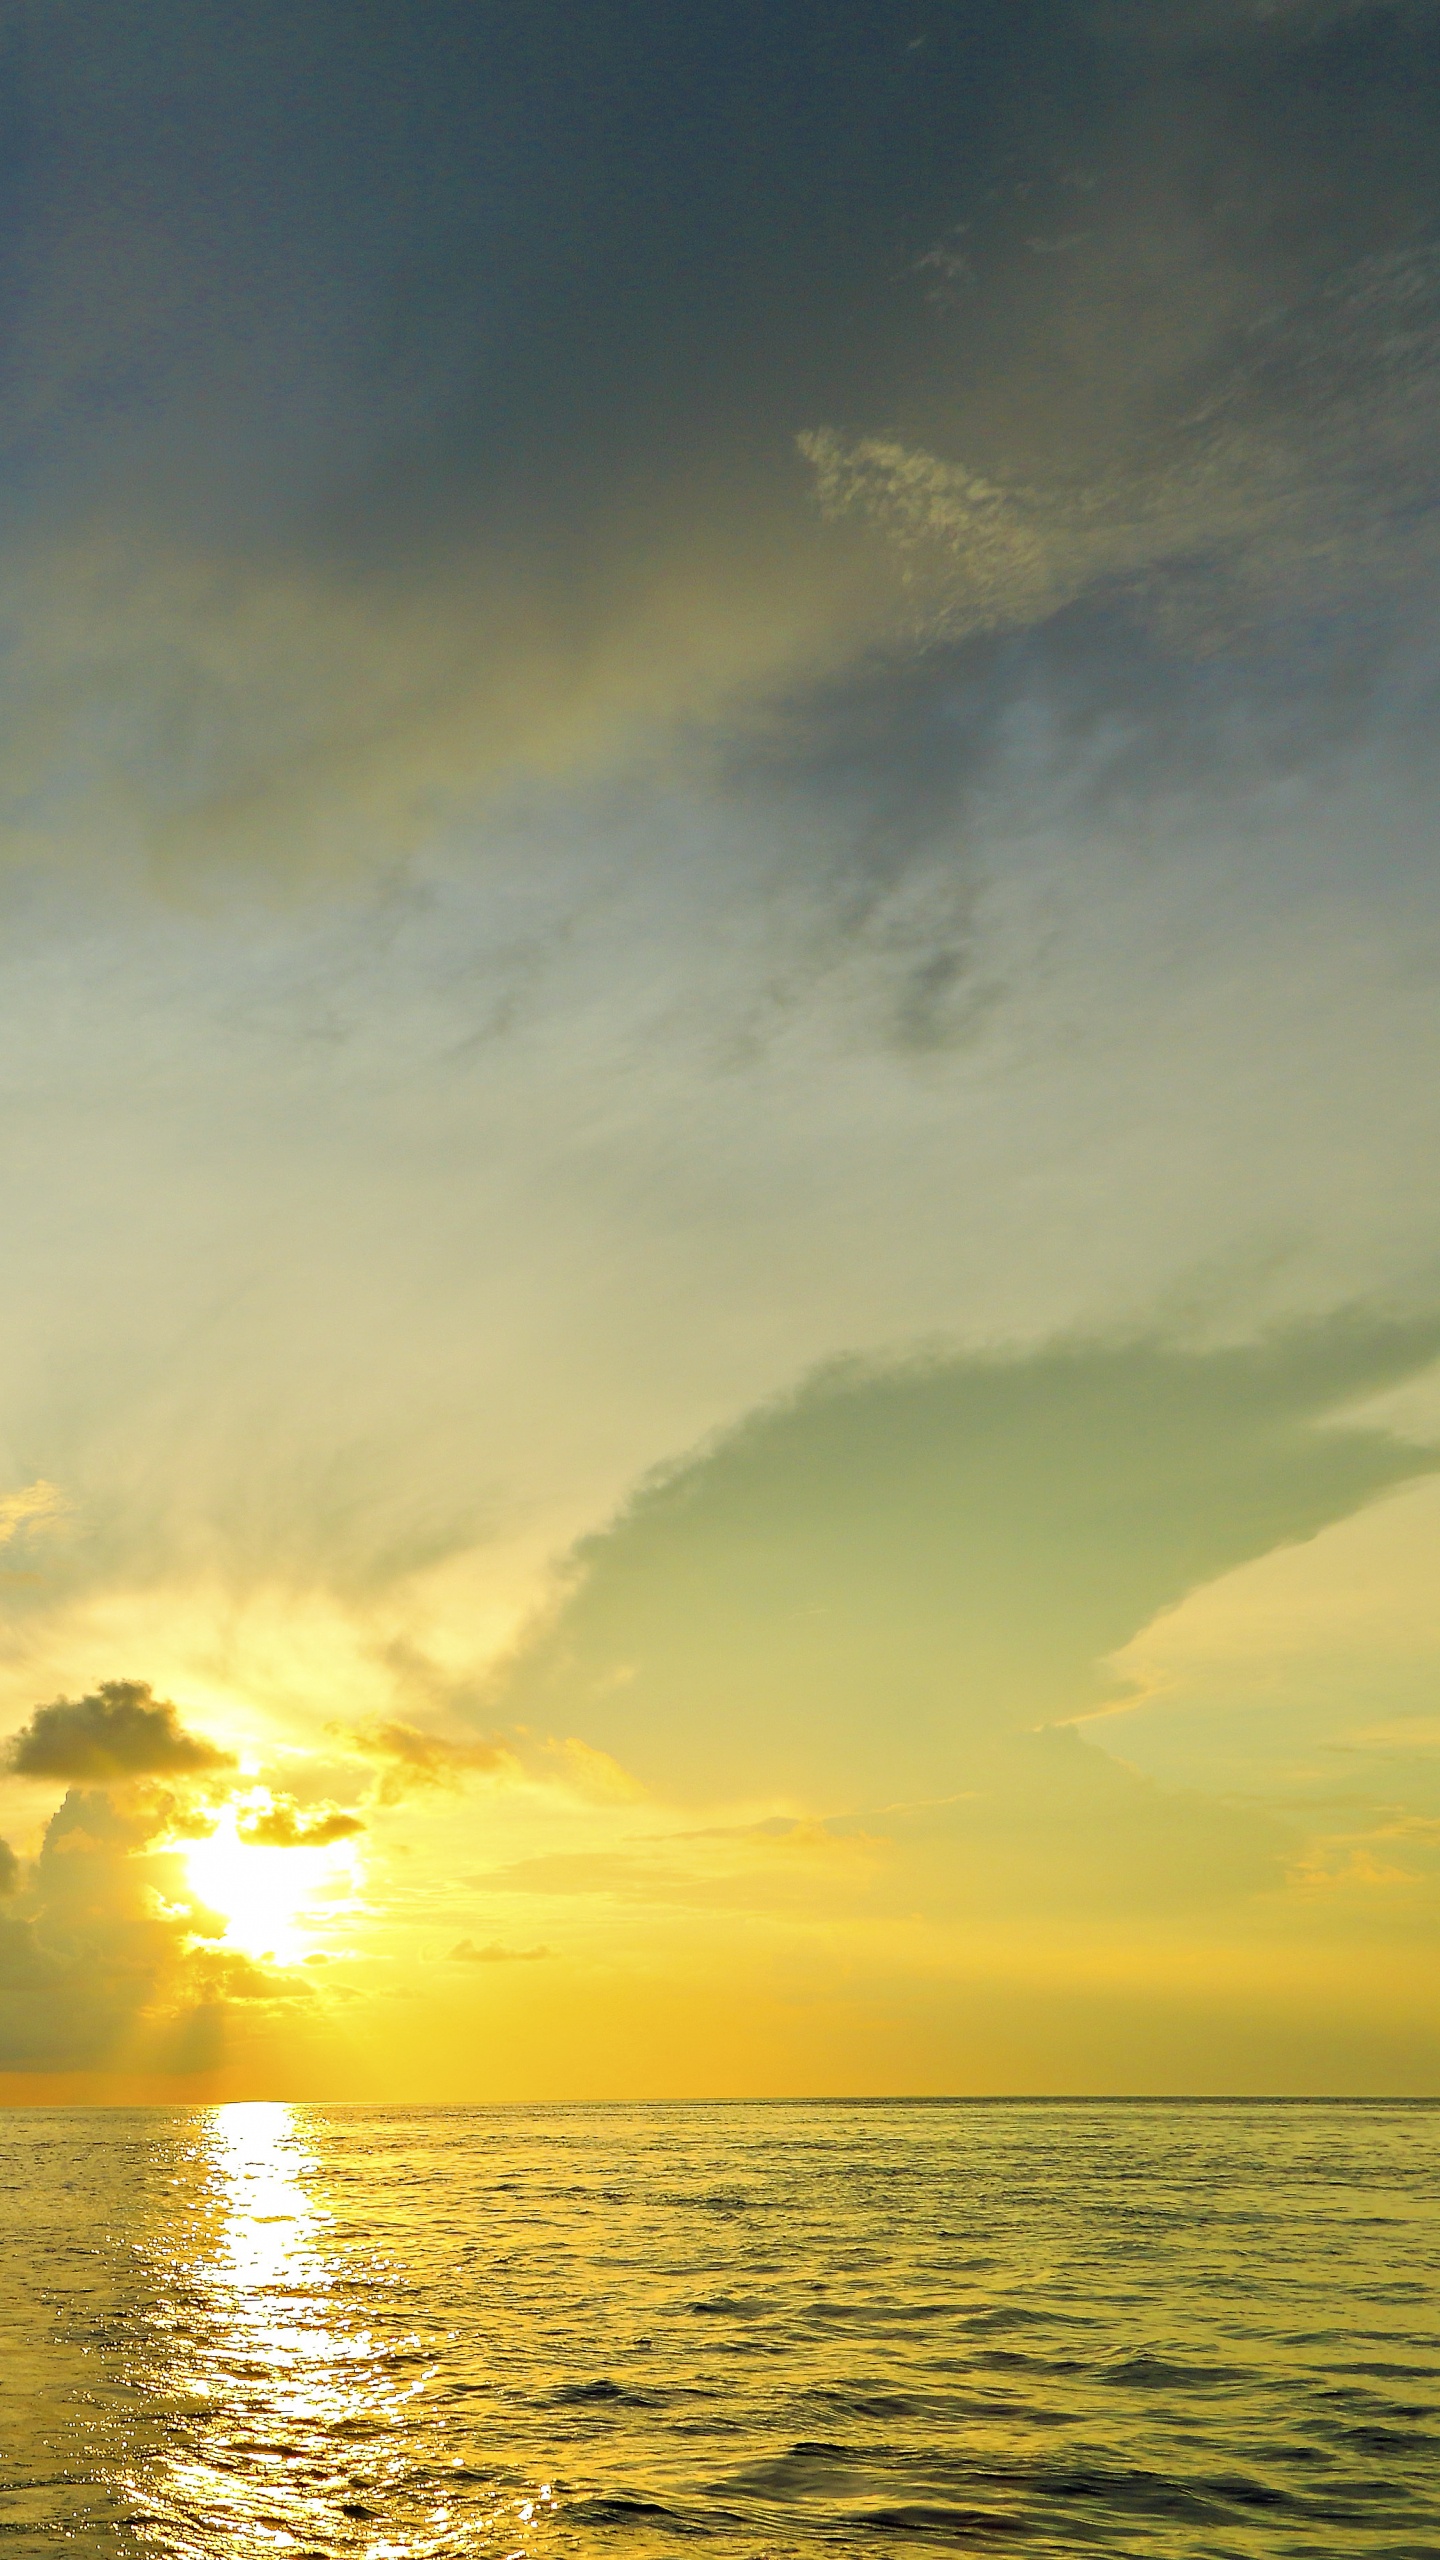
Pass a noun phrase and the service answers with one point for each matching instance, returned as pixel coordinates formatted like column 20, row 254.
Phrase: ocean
column 1190, row 2330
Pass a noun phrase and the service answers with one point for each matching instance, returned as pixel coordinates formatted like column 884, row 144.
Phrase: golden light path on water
column 303, row 2424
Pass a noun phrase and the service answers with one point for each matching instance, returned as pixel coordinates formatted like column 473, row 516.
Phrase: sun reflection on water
column 302, row 2418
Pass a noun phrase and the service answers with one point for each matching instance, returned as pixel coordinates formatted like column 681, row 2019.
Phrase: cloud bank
column 102, row 1955
column 860, row 1587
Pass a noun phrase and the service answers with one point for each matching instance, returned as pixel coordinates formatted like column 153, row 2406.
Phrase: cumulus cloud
column 9, row 1868
column 101, row 1948
column 120, row 1730
column 109, row 1959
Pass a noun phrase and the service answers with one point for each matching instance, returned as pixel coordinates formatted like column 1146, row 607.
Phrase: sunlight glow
column 264, row 1894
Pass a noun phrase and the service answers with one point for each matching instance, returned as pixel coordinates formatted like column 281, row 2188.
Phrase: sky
column 720, row 1286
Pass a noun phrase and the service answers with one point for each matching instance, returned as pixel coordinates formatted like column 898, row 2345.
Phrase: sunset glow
column 268, row 1897
column 719, row 1049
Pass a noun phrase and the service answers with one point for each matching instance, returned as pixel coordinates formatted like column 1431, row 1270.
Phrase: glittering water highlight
column 1192, row 2331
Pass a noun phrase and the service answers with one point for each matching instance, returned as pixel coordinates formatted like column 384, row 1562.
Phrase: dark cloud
column 862, row 1588
column 9, row 1868
column 121, row 1730
column 283, row 1825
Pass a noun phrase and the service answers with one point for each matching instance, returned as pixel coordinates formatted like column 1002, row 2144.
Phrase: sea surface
column 774, row 2330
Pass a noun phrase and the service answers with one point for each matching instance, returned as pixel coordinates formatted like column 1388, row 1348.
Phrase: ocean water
column 770, row 2330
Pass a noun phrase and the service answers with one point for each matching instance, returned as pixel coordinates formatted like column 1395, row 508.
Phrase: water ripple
column 768, row 2331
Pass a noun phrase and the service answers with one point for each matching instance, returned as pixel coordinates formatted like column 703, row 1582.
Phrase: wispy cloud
column 412, row 1762
column 1294, row 470
column 32, row 1511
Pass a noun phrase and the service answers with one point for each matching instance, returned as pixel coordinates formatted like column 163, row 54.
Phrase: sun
column 263, row 1894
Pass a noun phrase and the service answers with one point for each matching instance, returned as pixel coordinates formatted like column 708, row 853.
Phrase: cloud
column 1294, row 470
column 9, row 1868
column 504, row 476
column 283, row 1825
column 98, row 1941
column 593, row 1774
column 859, row 1589
column 110, row 1962
column 412, row 1761
column 118, row 1731
column 34, row 1509
column 468, row 1953
column 1002, row 565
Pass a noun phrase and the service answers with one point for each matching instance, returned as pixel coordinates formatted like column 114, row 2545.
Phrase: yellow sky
column 719, row 1063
